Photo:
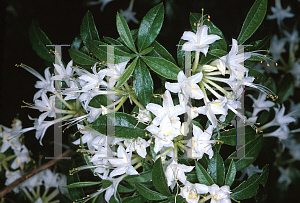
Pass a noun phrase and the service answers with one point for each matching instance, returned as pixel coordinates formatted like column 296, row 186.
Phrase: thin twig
column 33, row 172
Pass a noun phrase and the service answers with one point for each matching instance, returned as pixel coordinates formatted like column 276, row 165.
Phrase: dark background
column 61, row 20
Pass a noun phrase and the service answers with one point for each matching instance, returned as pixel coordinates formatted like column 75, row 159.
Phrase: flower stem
column 132, row 96
column 205, row 198
column 195, row 65
column 175, row 151
column 63, row 101
column 167, row 151
column 138, row 165
column 123, row 99
column 27, row 194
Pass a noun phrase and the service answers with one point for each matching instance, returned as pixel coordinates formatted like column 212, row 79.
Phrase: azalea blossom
column 260, row 104
column 64, row 74
column 139, row 145
column 201, row 142
column 277, row 47
column 11, row 176
column 168, row 109
column 175, row 172
column 191, row 192
column 89, row 134
column 219, row 195
column 187, row 86
column 279, row 13
column 233, row 61
column 22, row 156
column 200, row 41
column 128, row 14
column 122, row 164
column 144, row 116
column 114, row 72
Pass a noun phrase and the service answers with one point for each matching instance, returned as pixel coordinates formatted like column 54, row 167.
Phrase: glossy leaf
column 99, row 100
column 159, row 179
column 175, row 199
column 202, row 175
column 88, row 30
column 39, row 40
column 82, row 184
column 256, row 74
column 112, row 41
column 249, row 188
column 146, row 51
column 134, row 199
column 263, row 44
column 150, row 26
column 81, row 58
column 161, row 52
column 124, row 32
column 149, row 194
column 142, row 177
column 127, row 73
column 163, row 67
column 143, row 83
column 253, row 20
column 216, row 169
column 123, row 124
column 250, row 152
column 230, row 176
column 229, row 137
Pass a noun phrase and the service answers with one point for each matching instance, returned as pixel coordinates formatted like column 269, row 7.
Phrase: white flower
column 279, row 13
column 168, row 109
column 249, row 171
column 296, row 73
column 277, row 47
column 114, row 72
column 191, row 192
column 144, row 116
column 112, row 190
column 282, row 133
column 32, row 182
column 293, row 38
column 89, row 134
column 164, row 134
column 64, row 73
column 176, row 172
column 139, row 145
column 129, row 14
column 22, row 156
column 219, row 195
column 201, row 142
column 260, row 104
column 103, row 2
column 11, row 177
column 233, row 62
column 41, row 128
column 212, row 108
column 187, row 86
column 122, row 163
column 92, row 81
column 284, row 180
column 200, row 41
column 73, row 92
column 39, row 200
column 46, row 85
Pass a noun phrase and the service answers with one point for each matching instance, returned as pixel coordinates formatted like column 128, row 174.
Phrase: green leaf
column 39, row 40
column 146, row 166
column 218, row 52
column 263, row 44
column 285, row 88
column 75, row 193
column 259, row 77
column 159, row 179
column 161, row 52
column 143, row 83
column 125, row 125
column 99, row 100
column 88, row 30
column 134, row 199
column 270, row 83
column 181, row 54
column 178, row 198
column 219, row 44
column 149, row 194
column 230, row 176
column 63, row 198
column 82, row 184
column 229, row 137
column 112, row 41
column 99, row 49
column 146, row 51
column 163, row 67
column 142, row 177
column 125, row 189
column 253, row 20
column 197, row 124
column 127, row 73
column 250, row 149
column 106, row 184
column 124, row 32
column 202, row 175
column 216, row 169
column 207, row 59
column 249, row 188
column 81, row 58
column 150, row 26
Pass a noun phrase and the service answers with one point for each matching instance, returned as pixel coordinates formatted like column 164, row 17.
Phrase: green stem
column 51, row 196
column 167, row 151
column 45, row 193
column 138, row 165
column 63, row 101
column 175, row 151
column 195, row 65
column 216, row 86
column 205, row 198
column 9, row 158
column 132, row 96
column 284, row 63
column 121, row 103
column 28, row 195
